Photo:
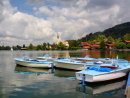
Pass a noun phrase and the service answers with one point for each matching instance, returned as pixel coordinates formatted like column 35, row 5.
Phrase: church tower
column 58, row 39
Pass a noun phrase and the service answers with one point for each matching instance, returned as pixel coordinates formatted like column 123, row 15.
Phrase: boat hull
column 70, row 66
column 73, row 65
column 103, row 77
column 33, row 64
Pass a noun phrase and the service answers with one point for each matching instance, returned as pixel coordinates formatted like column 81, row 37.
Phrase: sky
column 39, row 21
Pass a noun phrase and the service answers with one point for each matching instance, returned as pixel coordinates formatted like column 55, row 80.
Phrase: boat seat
column 34, row 60
column 26, row 59
column 100, row 69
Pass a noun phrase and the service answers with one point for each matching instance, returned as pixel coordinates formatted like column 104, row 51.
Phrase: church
column 63, row 42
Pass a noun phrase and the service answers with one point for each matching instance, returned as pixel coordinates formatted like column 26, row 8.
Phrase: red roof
column 127, row 41
column 111, row 44
column 95, row 45
column 86, row 47
column 85, row 43
column 52, row 45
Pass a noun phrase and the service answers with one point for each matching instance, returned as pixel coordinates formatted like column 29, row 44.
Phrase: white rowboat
column 98, row 74
column 33, row 63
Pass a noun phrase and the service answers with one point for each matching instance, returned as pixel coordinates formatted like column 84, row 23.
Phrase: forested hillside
column 115, row 32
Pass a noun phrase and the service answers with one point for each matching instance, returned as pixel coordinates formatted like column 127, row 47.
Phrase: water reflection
column 127, row 91
column 102, row 54
column 64, row 73
column 28, row 70
column 107, row 88
column 13, row 84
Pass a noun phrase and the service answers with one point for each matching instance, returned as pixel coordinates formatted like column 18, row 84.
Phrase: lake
column 23, row 82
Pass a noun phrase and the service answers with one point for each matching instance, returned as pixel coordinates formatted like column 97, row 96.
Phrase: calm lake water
column 23, row 82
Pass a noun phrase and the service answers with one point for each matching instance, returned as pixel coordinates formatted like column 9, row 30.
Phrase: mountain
column 118, row 31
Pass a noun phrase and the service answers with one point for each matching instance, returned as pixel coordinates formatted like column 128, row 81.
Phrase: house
column 95, row 46
column 110, row 45
column 127, row 42
column 85, row 45
column 63, row 42
column 52, row 46
column 66, row 43
column 23, row 49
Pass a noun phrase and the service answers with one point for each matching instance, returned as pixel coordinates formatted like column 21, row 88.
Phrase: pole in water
column 52, row 67
column 83, row 88
column 83, row 80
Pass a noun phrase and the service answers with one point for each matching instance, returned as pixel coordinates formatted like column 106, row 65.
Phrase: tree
column 101, row 38
column 110, row 39
column 102, row 44
column 23, row 45
column 7, row 48
column 44, row 46
column 48, row 44
column 61, row 46
column 14, row 48
column 118, row 40
column 126, row 36
column 121, row 45
column 95, row 41
column 73, row 43
column 30, row 47
column 18, row 47
column 39, row 47
column 128, row 46
column 53, row 46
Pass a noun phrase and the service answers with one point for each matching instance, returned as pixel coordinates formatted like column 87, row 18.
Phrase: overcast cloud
column 71, row 19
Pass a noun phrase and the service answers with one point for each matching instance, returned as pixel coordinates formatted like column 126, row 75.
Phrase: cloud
column 76, row 20
column 45, row 10
column 5, row 9
column 71, row 18
column 24, row 28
